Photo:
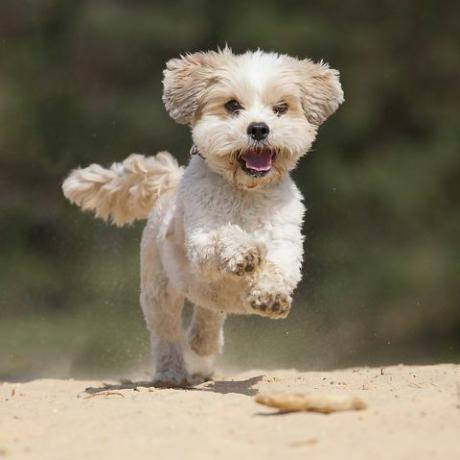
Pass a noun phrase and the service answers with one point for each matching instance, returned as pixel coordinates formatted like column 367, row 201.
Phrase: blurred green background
column 80, row 82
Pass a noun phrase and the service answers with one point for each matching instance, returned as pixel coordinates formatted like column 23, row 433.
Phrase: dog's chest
column 212, row 202
column 252, row 211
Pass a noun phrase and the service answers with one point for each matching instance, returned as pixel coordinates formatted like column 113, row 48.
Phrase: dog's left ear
column 185, row 82
column 321, row 91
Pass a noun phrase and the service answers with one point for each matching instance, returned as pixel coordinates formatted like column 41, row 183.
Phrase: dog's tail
column 126, row 191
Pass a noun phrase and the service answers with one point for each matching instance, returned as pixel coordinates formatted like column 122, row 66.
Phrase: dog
column 225, row 233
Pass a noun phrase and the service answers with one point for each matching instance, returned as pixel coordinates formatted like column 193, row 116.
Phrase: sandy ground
column 413, row 413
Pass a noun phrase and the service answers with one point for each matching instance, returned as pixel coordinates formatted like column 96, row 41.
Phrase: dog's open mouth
column 257, row 162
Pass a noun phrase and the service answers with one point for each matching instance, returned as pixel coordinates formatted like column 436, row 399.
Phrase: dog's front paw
column 274, row 305
column 243, row 259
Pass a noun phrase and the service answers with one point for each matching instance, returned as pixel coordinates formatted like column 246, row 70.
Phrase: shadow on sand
column 243, row 387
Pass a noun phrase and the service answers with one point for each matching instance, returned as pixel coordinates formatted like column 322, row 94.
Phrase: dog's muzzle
column 257, row 162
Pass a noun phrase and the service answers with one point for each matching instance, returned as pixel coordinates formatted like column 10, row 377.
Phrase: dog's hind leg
column 205, row 339
column 162, row 307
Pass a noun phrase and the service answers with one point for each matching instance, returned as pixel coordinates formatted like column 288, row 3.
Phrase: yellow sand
column 412, row 413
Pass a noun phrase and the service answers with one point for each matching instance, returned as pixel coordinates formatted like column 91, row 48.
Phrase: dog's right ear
column 185, row 82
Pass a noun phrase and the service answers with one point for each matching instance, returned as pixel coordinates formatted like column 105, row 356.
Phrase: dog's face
column 252, row 115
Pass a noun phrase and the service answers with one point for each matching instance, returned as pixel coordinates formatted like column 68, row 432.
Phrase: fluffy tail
column 125, row 192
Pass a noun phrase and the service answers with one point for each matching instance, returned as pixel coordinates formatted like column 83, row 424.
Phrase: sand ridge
column 412, row 412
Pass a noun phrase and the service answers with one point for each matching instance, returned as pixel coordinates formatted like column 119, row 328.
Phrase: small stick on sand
column 104, row 393
column 325, row 404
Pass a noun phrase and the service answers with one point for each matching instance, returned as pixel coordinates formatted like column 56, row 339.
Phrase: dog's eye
column 233, row 106
column 280, row 108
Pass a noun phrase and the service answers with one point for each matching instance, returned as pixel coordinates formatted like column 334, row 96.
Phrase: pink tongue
column 258, row 160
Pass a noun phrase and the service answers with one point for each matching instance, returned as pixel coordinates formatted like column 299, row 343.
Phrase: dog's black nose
column 258, row 130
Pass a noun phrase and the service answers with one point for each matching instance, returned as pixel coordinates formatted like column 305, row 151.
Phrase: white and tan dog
column 225, row 233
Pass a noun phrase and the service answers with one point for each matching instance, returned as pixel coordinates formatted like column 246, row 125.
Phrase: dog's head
column 252, row 115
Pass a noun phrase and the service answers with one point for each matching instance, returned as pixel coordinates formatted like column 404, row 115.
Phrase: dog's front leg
column 270, row 292
column 226, row 249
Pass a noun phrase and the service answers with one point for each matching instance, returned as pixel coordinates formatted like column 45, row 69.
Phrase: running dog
column 224, row 232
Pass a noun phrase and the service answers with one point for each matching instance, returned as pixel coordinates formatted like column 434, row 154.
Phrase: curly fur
column 126, row 191
column 218, row 235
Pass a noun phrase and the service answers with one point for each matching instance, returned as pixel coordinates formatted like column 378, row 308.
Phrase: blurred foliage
column 80, row 81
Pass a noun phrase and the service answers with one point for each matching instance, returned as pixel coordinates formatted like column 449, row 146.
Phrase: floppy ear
column 185, row 82
column 321, row 91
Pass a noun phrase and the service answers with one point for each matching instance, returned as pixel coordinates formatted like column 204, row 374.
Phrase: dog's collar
column 194, row 151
